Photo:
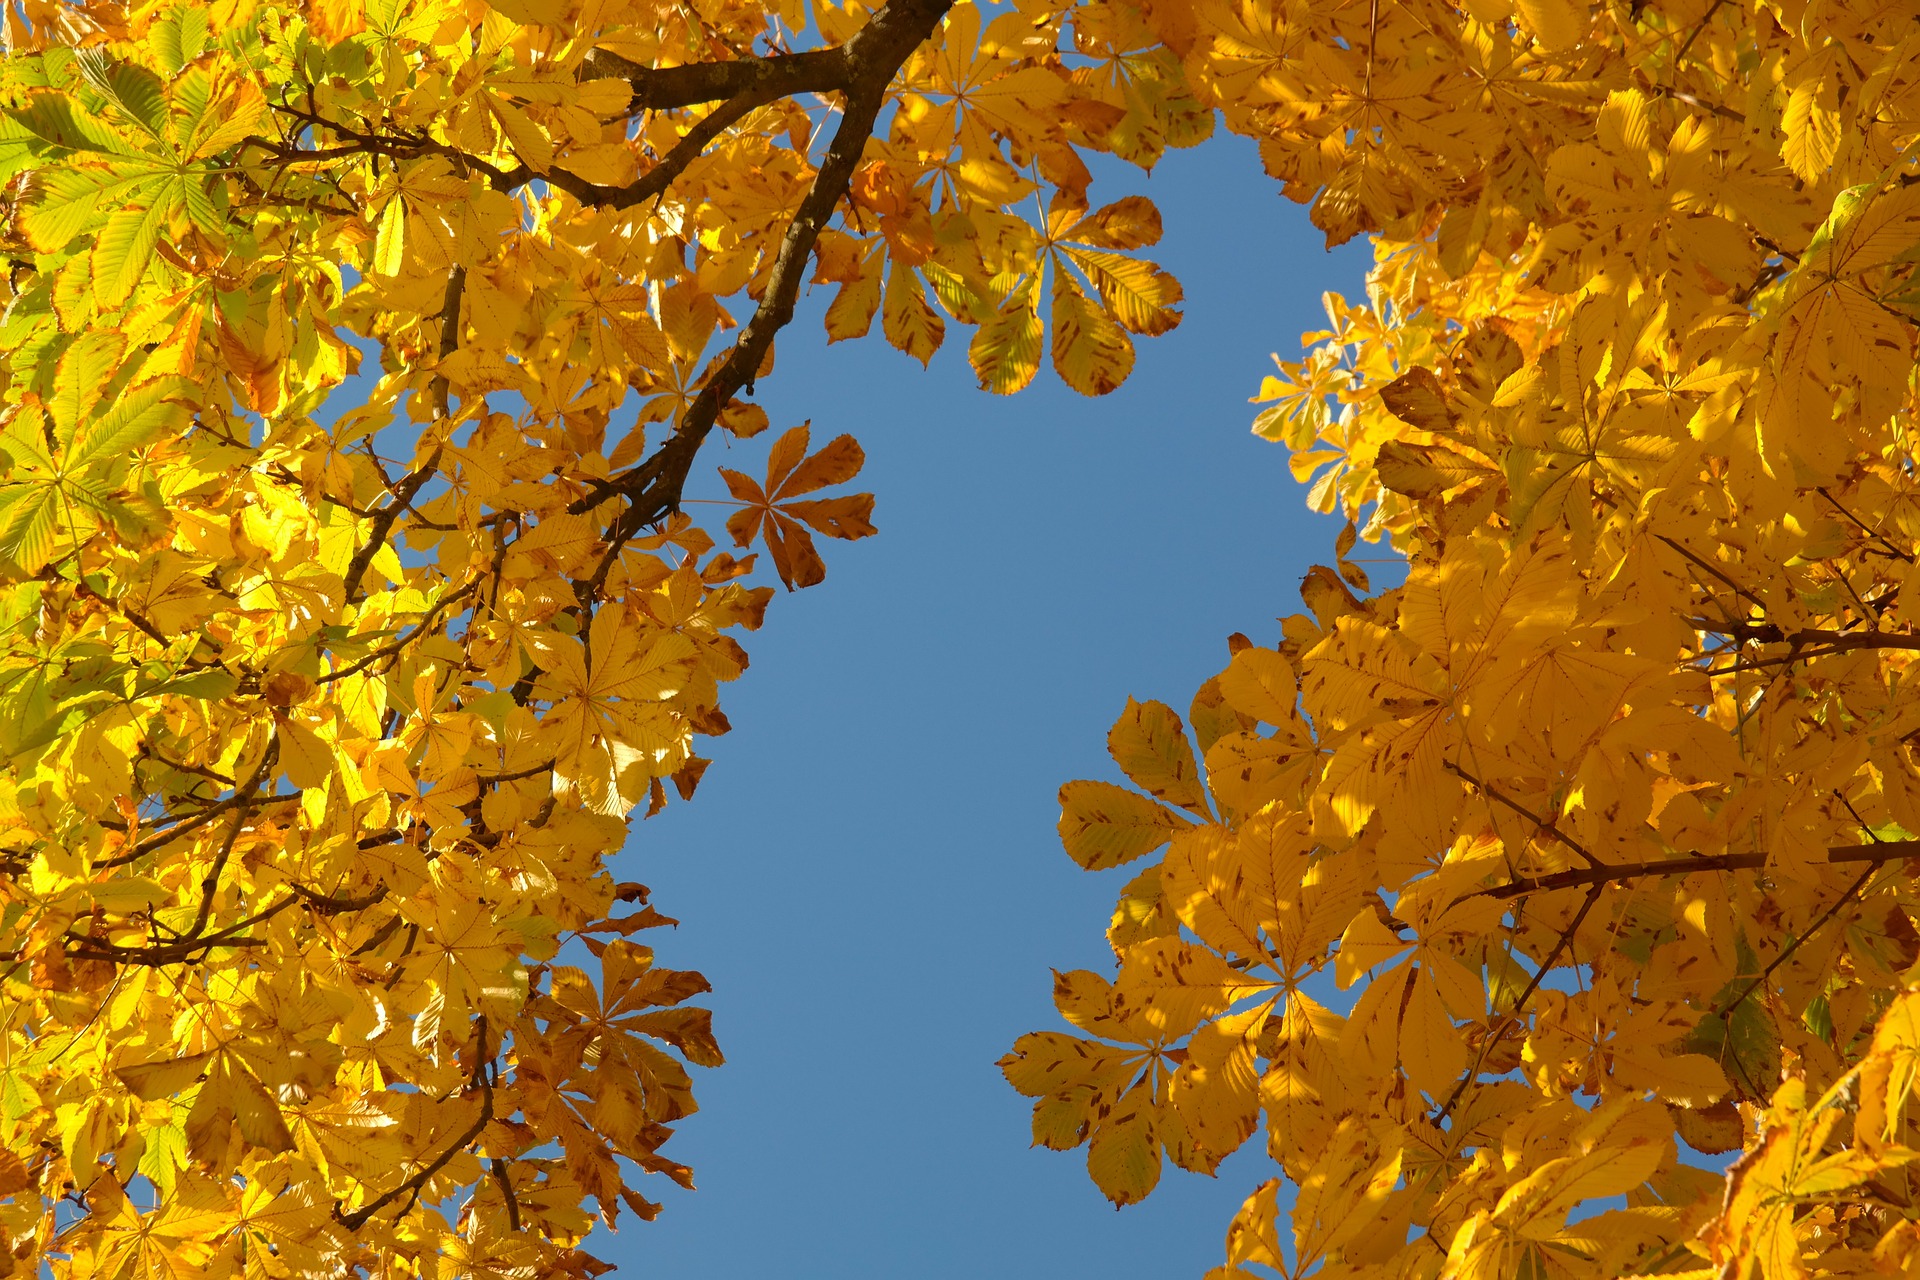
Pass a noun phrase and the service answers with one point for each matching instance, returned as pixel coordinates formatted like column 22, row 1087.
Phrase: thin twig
column 383, row 520
column 201, row 819
column 1735, row 587
column 358, row 1218
column 1542, row 824
column 390, row 650
column 1512, row 1019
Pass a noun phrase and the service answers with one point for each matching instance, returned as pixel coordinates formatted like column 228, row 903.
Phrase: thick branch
column 655, row 181
column 1801, row 642
column 663, row 88
column 449, row 337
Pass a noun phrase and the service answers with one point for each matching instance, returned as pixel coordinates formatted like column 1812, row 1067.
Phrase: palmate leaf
column 1090, row 347
column 78, row 484
column 770, row 513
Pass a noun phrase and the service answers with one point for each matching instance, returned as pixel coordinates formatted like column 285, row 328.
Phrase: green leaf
column 23, row 442
column 36, row 733
column 83, row 373
column 1742, row 1039
column 28, row 516
column 133, row 90
column 56, row 118
column 202, row 209
column 18, row 604
column 124, row 250
column 208, row 686
column 1847, row 207
column 136, row 418
column 64, row 202
column 19, row 149
column 180, row 37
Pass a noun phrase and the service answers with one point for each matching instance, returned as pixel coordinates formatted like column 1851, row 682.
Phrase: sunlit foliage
column 1505, row 907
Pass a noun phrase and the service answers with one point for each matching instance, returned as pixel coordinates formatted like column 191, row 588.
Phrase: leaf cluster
column 1584, row 856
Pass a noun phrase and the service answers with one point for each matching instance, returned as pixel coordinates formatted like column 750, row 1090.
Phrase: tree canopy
column 320, row 728
column 1509, row 905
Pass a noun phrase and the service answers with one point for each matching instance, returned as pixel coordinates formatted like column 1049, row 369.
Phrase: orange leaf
column 850, row 516
column 794, row 557
column 838, row 461
column 791, row 472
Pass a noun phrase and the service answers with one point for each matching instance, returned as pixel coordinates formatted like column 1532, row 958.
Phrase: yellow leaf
column 1259, row 683
column 1123, row 1155
column 304, row 755
column 1005, row 351
column 154, row 1080
column 1090, row 352
column 1150, row 745
column 1812, row 127
column 910, row 322
column 1556, row 24
column 1103, row 826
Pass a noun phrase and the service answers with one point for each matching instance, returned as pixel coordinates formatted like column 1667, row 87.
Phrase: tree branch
column 191, row 949
column 873, row 56
column 382, row 522
column 1512, row 1019
column 1736, row 588
column 1543, row 826
column 389, row 650
column 241, row 796
column 1620, row 872
column 358, row 1218
column 663, row 88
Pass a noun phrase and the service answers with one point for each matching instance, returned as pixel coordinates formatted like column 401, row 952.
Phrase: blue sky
column 869, row 874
